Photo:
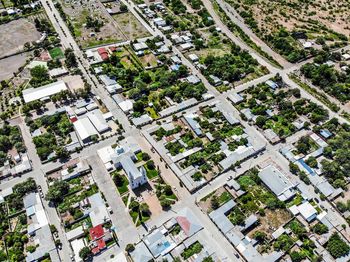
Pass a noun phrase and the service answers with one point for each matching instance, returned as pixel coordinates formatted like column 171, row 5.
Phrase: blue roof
column 326, row 133
column 308, row 169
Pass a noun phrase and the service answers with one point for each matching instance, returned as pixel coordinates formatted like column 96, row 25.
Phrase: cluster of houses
column 314, row 174
column 20, row 165
column 252, row 148
column 99, row 233
column 38, row 229
column 168, row 241
column 306, row 212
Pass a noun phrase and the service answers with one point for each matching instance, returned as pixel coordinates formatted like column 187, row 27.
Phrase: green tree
column 57, row 191
column 337, row 247
column 85, row 253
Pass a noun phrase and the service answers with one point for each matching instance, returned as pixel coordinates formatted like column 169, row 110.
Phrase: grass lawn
column 125, row 199
column 224, row 197
column 152, row 112
column 123, row 188
column 56, row 52
column 151, row 173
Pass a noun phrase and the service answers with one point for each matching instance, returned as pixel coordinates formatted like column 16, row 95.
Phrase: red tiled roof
column 184, row 224
column 95, row 250
column 102, row 50
column 73, row 119
column 101, row 244
column 104, row 56
column 96, row 232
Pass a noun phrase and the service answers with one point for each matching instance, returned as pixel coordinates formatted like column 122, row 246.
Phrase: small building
column 139, row 46
column 345, row 56
column 215, row 80
column 192, row 79
column 193, row 58
column 103, row 53
column 277, row 182
column 85, row 129
column 273, row 85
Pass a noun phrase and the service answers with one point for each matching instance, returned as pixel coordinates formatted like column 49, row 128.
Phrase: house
column 103, row 53
column 98, row 212
column 277, row 182
column 159, row 22
column 139, row 46
column 98, row 121
column 142, row 120
column 176, row 60
column 215, row 80
column 186, row 46
column 193, row 123
column 193, row 58
column 110, row 84
column 192, row 79
column 38, row 229
column 306, row 210
column 235, row 98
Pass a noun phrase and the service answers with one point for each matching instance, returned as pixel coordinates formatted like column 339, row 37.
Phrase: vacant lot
column 10, row 65
column 15, row 34
column 92, row 34
column 130, row 26
column 283, row 23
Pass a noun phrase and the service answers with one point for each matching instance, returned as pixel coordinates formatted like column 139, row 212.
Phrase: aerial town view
column 174, row 130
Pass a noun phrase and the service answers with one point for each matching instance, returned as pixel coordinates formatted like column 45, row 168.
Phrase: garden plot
column 153, row 93
column 279, row 111
column 15, row 223
column 91, row 24
column 221, row 61
column 295, row 28
column 15, row 34
column 69, row 199
column 51, row 134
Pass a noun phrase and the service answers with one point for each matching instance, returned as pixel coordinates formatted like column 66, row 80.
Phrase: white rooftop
column 32, row 94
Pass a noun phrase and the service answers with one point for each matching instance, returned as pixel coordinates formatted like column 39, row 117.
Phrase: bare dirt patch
column 131, row 27
column 272, row 220
column 15, row 34
column 10, row 65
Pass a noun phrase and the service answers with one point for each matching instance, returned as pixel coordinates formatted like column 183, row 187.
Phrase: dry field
column 15, row 34
column 298, row 14
column 130, row 26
